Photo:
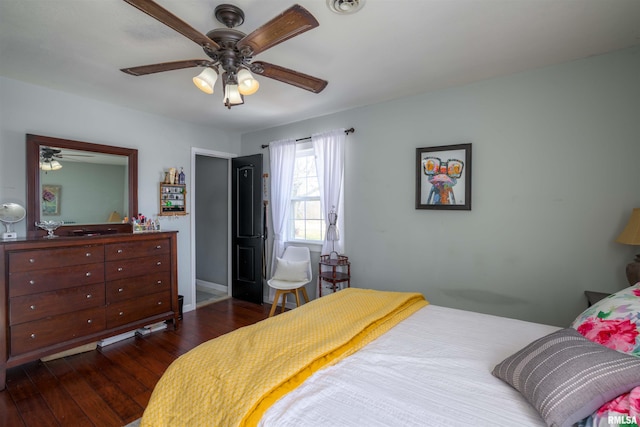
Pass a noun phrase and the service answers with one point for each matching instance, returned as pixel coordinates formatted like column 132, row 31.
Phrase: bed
column 413, row 364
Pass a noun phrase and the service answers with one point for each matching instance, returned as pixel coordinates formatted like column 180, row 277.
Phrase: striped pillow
column 566, row 377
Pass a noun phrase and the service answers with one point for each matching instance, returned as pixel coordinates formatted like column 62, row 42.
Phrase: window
column 306, row 222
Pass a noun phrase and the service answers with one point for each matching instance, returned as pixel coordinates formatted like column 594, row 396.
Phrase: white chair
column 292, row 272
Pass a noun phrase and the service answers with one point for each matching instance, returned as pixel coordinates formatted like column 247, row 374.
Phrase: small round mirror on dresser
column 10, row 213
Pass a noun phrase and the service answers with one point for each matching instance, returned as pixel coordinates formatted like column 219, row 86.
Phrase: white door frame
column 192, row 201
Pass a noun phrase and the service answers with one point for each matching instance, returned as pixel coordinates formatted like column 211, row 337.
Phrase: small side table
column 335, row 272
column 593, row 297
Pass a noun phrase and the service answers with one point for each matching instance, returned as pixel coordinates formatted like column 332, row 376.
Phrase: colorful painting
column 50, row 202
column 443, row 177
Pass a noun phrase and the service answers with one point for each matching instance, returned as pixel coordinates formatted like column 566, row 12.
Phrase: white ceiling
column 389, row 49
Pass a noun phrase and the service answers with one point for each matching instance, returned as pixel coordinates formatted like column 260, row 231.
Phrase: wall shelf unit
column 173, row 199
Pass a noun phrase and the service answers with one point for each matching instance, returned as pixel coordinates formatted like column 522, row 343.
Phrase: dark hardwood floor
column 112, row 385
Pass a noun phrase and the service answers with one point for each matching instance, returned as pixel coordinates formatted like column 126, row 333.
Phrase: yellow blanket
column 233, row 379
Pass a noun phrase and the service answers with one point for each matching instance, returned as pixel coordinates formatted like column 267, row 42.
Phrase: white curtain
column 329, row 148
column 282, row 158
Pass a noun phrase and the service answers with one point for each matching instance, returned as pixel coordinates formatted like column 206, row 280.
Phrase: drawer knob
column 31, row 260
column 33, row 336
column 159, row 263
column 119, row 251
column 121, row 313
column 120, row 289
column 33, row 307
column 88, row 274
column 32, row 282
column 89, row 321
column 159, row 282
column 159, row 302
column 159, row 247
column 89, row 295
column 120, row 268
column 87, row 254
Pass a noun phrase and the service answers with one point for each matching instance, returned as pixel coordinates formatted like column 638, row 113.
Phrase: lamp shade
column 247, row 85
column 51, row 165
column 114, row 217
column 232, row 95
column 206, row 80
column 631, row 233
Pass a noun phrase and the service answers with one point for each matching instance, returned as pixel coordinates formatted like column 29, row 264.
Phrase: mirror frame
column 34, row 142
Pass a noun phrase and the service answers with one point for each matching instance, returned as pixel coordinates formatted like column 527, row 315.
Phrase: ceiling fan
column 232, row 50
column 49, row 156
column 49, row 153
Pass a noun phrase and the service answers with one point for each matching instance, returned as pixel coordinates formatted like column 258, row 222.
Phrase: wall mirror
column 91, row 187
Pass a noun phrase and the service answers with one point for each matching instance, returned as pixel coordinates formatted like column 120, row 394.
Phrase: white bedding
column 433, row 369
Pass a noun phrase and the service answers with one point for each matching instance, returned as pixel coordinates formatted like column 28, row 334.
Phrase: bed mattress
column 432, row 369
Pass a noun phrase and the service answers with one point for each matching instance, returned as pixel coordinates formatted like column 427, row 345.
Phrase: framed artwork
column 51, row 199
column 443, row 177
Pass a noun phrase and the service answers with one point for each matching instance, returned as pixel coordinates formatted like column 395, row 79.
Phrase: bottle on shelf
column 181, row 177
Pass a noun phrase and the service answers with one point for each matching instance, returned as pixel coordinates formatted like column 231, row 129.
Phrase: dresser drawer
column 52, row 330
column 133, row 287
column 134, row 309
column 122, row 269
column 54, row 258
column 32, row 282
column 127, row 250
column 45, row 304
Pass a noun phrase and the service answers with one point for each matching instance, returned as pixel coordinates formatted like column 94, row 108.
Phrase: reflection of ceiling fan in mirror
column 231, row 51
column 49, row 156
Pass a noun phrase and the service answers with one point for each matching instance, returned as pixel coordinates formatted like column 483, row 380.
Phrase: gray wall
column 161, row 142
column 555, row 176
column 212, row 218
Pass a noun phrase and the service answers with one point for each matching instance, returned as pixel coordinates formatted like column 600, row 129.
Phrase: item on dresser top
column 11, row 213
column 50, row 226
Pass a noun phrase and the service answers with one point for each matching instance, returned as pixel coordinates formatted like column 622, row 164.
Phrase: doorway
column 210, row 227
column 216, row 208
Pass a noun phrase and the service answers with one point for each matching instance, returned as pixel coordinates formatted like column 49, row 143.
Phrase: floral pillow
column 614, row 321
column 623, row 411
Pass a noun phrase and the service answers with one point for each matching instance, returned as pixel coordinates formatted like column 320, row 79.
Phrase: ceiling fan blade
column 285, row 75
column 65, row 155
column 156, row 11
column 292, row 22
column 166, row 66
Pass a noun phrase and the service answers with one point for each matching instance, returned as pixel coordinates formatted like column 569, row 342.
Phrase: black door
column 247, row 228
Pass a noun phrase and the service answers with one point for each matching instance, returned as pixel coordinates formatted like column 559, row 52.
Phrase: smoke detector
column 345, row 7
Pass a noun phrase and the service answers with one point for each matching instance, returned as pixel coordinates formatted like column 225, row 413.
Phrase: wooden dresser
column 61, row 293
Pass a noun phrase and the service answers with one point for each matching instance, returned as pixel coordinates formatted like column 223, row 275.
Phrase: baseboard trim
column 211, row 285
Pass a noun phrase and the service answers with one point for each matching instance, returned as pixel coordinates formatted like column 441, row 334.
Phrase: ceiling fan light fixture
column 231, row 51
column 345, row 7
column 206, row 80
column 50, row 165
column 247, row 84
column 232, row 96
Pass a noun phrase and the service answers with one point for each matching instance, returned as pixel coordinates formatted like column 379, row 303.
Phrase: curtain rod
column 347, row 132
